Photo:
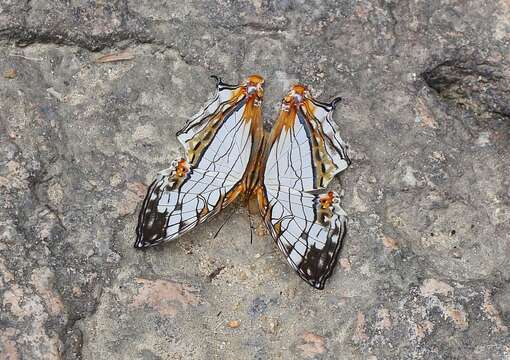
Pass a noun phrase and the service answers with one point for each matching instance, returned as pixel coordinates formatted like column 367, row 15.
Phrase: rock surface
column 425, row 270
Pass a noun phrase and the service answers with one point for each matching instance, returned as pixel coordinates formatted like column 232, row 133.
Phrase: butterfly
column 230, row 156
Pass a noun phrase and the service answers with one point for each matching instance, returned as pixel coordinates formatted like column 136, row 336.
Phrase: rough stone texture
column 425, row 269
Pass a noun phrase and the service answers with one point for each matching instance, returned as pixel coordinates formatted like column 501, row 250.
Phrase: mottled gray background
column 424, row 271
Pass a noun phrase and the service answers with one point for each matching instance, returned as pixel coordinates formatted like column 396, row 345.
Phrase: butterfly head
column 295, row 96
column 254, row 85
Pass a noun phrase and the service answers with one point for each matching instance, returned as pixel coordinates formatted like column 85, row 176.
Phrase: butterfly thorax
column 252, row 184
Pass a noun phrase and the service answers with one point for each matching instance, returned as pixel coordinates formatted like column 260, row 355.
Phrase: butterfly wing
column 308, row 229
column 304, row 153
column 306, row 150
column 219, row 141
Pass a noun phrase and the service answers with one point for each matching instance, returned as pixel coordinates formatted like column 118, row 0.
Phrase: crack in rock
column 478, row 86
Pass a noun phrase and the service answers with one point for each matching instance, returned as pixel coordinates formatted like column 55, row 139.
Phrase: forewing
column 307, row 230
column 201, row 129
column 305, row 150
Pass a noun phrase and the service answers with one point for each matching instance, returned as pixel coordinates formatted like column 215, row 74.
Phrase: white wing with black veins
column 218, row 142
column 304, row 153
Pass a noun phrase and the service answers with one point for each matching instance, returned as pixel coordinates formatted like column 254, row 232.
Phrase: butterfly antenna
column 222, row 225
column 251, row 229
column 251, row 235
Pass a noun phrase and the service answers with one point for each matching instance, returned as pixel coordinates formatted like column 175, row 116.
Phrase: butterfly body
column 229, row 157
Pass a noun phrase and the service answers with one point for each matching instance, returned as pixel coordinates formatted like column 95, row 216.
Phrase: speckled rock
column 424, row 272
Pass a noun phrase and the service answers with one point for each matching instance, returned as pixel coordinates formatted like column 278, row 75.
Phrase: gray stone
column 424, row 272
